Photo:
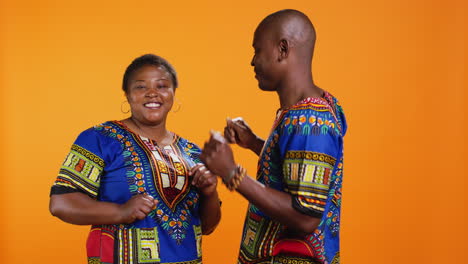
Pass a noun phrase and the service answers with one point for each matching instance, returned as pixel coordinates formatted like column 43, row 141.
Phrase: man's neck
column 292, row 92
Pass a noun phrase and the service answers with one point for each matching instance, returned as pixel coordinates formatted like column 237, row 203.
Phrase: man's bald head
column 294, row 27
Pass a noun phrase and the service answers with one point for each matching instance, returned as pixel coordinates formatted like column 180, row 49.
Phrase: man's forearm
column 257, row 145
column 277, row 205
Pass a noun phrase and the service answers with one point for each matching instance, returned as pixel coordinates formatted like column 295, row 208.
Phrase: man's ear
column 283, row 49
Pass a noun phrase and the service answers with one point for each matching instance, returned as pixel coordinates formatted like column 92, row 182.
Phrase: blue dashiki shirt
column 111, row 163
column 303, row 156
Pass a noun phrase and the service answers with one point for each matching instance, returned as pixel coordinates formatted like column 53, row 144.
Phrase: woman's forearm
column 79, row 209
column 210, row 213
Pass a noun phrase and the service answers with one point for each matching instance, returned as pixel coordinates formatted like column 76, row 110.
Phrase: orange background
column 398, row 68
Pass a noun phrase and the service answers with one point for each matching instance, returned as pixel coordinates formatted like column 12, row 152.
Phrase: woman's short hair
column 148, row 59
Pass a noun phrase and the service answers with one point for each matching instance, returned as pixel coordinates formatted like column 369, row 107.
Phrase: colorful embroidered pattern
column 303, row 157
column 270, row 162
column 101, row 244
column 308, row 177
column 292, row 260
column 257, row 239
column 336, row 259
column 176, row 223
column 111, row 163
column 81, row 169
column 198, row 235
column 132, row 156
column 94, row 261
column 140, row 244
column 306, row 124
column 171, row 183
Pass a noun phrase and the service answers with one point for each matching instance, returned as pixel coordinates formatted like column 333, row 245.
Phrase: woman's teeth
column 152, row 105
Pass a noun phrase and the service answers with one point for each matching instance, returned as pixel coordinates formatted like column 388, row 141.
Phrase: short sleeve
column 83, row 166
column 310, row 152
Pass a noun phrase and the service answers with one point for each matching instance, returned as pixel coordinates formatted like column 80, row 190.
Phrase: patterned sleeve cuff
column 57, row 189
column 296, row 204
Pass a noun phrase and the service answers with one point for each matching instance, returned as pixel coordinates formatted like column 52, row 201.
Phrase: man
column 294, row 210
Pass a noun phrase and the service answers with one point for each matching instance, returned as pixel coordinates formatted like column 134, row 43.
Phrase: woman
column 140, row 186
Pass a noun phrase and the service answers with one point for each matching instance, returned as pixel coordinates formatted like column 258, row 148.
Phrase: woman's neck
column 157, row 132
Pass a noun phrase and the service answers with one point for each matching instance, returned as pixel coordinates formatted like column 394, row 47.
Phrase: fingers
column 195, row 168
column 140, row 215
column 216, row 137
column 229, row 135
column 238, row 131
column 229, row 122
column 200, row 176
column 208, row 179
column 212, row 145
column 198, row 173
column 145, row 203
column 206, row 153
column 239, row 122
column 240, row 127
column 153, row 202
column 217, row 154
column 231, row 131
column 237, row 119
column 149, row 200
column 138, row 207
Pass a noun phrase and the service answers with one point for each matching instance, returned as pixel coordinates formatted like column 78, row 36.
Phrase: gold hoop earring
column 122, row 107
column 179, row 105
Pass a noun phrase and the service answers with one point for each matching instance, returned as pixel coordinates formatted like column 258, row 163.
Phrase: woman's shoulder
column 186, row 144
column 103, row 131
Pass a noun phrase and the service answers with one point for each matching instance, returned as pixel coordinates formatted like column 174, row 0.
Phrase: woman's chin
column 152, row 120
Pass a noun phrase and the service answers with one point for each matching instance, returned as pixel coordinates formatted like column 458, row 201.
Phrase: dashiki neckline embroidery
column 170, row 181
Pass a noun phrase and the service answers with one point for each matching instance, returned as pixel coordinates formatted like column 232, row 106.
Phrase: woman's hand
column 137, row 208
column 203, row 179
column 209, row 210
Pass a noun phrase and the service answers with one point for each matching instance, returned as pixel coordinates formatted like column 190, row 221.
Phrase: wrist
column 229, row 173
column 256, row 144
column 210, row 195
column 119, row 217
column 235, row 180
column 209, row 192
column 252, row 141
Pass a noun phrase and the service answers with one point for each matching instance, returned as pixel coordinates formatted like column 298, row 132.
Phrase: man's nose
column 252, row 62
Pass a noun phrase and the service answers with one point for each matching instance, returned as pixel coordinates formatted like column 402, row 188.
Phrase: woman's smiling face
column 150, row 94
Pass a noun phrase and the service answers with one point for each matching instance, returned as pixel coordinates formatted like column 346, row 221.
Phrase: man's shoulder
column 314, row 116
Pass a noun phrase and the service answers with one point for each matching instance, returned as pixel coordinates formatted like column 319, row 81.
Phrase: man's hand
column 237, row 131
column 217, row 156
